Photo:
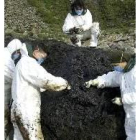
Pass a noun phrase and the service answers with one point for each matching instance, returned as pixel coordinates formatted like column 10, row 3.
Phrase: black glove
column 72, row 30
column 74, row 40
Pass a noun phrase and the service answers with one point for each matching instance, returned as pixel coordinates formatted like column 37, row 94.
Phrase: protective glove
column 42, row 89
column 68, row 87
column 72, row 30
column 78, row 30
column 94, row 82
column 117, row 101
column 74, row 40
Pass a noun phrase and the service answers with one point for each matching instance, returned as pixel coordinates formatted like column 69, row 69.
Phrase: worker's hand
column 68, row 87
column 94, row 82
column 74, row 40
column 42, row 89
column 72, row 30
column 78, row 30
column 117, row 101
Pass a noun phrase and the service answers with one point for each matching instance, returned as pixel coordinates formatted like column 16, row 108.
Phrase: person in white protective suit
column 29, row 77
column 78, row 25
column 126, row 81
column 14, row 46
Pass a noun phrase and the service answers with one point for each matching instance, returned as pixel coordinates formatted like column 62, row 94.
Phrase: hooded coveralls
column 126, row 82
column 9, row 68
column 90, row 30
column 29, row 77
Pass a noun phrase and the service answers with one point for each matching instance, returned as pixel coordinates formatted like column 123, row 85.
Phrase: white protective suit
column 29, row 77
column 90, row 30
column 9, row 68
column 127, row 84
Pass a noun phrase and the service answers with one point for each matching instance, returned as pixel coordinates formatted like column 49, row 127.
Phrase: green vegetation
column 53, row 13
column 113, row 13
column 118, row 13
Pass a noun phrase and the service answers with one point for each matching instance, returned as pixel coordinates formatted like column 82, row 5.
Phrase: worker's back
column 22, row 90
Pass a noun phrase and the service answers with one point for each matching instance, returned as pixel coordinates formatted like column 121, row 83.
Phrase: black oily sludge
column 80, row 114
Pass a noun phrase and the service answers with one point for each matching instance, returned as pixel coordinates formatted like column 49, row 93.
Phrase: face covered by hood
column 16, row 48
column 40, row 60
column 78, row 8
column 79, row 11
column 15, row 45
column 40, row 56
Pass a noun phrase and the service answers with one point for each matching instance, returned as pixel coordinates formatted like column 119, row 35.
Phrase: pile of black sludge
column 80, row 113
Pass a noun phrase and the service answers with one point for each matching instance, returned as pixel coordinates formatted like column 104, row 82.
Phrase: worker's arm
column 55, row 83
column 38, row 76
column 88, row 21
column 68, row 24
column 112, row 79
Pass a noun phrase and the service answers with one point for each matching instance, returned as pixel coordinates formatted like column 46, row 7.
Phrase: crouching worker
column 28, row 78
column 78, row 25
column 126, row 81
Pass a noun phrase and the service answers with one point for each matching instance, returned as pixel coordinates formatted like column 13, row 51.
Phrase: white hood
column 14, row 45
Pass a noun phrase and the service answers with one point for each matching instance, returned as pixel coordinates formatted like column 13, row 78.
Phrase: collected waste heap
column 80, row 113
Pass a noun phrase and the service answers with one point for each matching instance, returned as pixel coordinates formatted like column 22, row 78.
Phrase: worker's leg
column 36, row 133
column 130, row 128
column 28, row 123
column 94, row 34
column 83, row 36
column 7, row 99
column 79, row 38
column 17, row 133
column 91, row 34
column 34, row 125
